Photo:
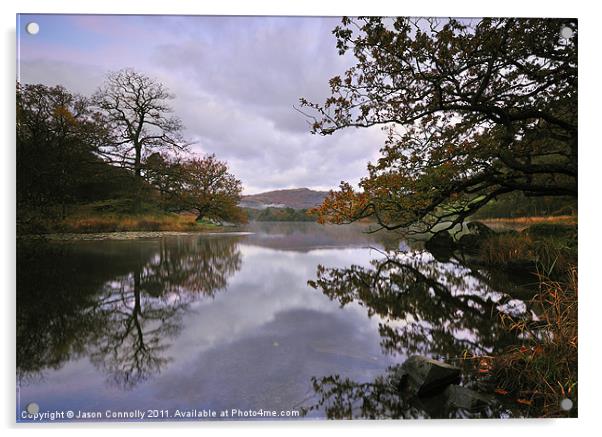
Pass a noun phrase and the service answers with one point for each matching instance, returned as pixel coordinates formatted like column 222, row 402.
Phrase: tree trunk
column 138, row 177
column 137, row 162
column 201, row 213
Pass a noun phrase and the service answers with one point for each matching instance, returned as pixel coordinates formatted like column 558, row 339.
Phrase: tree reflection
column 424, row 306
column 119, row 304
column 53, row 306
column 343, row 398
column 198, row 266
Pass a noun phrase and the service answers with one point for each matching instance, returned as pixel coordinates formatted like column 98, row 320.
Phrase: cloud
column 236, row 80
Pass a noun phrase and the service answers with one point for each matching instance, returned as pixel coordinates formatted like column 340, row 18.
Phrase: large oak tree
column 474, row 109
column 137, row 110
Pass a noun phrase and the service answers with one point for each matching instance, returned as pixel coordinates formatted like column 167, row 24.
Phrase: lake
column 199, row 324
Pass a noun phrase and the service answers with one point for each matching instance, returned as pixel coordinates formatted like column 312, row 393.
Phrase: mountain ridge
column 297, row 198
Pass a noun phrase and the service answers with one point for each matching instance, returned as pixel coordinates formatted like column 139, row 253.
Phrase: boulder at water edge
column 425, row 376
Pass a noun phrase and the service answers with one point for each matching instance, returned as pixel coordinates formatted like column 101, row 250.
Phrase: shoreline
column 124, row 235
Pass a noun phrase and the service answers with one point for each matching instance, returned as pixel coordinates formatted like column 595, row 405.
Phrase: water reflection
column 230, row 321
column 344, row 398
column 117, row 303
column 307, row 236
column 425, row 306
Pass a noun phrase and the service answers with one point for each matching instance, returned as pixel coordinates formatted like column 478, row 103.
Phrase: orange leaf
column 524, row 401
column 501, row 391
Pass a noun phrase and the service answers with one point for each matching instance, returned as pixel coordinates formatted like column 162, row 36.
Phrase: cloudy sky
column 235, row 79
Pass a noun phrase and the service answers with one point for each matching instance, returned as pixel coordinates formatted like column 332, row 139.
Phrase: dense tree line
column 123, row 143
column 272, row 214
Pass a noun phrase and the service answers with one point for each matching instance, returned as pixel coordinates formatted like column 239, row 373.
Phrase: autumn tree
column 165, row 173
column 473, row 109
column 204, row 185
column 138, row 113
column 58, row 135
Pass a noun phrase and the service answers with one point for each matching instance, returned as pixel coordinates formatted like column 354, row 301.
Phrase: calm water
column 222, row 322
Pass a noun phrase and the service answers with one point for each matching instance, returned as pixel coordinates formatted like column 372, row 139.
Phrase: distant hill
column 298, row 198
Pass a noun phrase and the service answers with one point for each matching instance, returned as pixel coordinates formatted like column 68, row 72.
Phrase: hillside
column 297, row 198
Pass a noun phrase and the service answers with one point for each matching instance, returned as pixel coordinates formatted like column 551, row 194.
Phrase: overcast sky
column 235, row 79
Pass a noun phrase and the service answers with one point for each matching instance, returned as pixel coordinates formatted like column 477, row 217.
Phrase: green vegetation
column 549, row 249
column 272, row 214
column 114, row 162
column 474, row 110
column 516, row 204
column 541, row 370
column 117, row 216
column 482, row 123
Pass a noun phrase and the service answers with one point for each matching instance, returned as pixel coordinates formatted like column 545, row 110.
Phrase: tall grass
column 504, row 249
column 115, row 215
column 542, row 370
column 520, row 223
column 550, row 255
column 124, row 223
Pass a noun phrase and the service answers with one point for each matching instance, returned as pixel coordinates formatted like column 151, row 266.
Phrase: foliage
column 66, row 162
column 546, row 248
column 204, row 185
column 57, row 135
column 137, row 113
column 516, row 204
column 474, row 109
column 272, row 214
column 542, row 370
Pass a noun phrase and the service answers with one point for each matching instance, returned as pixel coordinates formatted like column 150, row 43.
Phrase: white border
column 590, row 211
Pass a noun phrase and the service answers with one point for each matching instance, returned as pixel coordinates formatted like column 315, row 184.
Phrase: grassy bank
column 124, row 223
column 113, row 217
column 547, row 249
column 541, row 370
column 521, row 223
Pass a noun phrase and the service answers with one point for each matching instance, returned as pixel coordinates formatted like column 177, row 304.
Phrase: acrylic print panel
column 187, row 252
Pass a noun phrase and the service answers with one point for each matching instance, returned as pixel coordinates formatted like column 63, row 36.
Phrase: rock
column 427, row 376
column 398, row 377
column 470, row 241
column 480, row 229
column 454, row 401
column 466, row 399
column 478, row 232
column 441, row 245
column 441, row 239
